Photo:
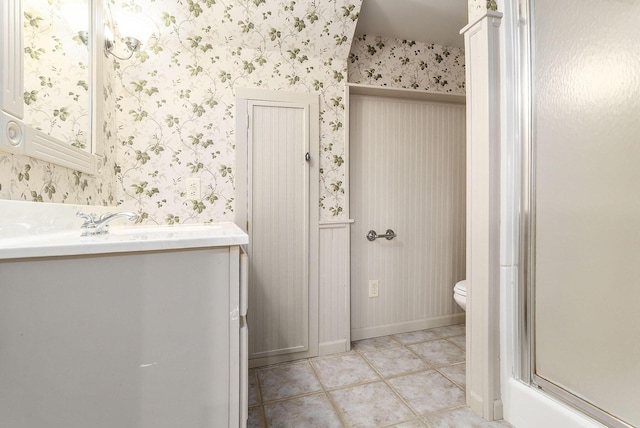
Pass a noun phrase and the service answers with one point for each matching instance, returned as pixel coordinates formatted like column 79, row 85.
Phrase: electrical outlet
column 193, row 188
column 373, row 288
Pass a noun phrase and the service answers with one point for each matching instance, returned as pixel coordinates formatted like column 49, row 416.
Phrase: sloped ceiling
column 433, row 21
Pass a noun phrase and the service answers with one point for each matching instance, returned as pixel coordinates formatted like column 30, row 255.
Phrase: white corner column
column 483, row 215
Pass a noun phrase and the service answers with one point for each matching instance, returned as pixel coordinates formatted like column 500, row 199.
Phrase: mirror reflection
column 56, row 69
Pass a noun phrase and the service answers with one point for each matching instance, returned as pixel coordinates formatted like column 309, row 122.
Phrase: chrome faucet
column 94, row 225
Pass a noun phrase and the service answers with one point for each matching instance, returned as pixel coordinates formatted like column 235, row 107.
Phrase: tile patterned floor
column 407, row 380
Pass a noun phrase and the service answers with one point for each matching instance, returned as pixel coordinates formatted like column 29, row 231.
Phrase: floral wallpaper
column 406, row 64
column 169, row 111
column 176, row 98
column 29, row 179
column 56, row 74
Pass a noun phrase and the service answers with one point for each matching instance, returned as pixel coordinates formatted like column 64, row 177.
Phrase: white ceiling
column 432, row 21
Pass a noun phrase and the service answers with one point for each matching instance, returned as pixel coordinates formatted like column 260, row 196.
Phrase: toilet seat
column 461, row 288
column 460, row 294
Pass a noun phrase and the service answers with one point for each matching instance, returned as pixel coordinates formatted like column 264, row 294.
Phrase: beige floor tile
column 254, row 393
column 287, row 380
column 343, row 370
column 461, row 417
column 428, row 392
column 308, row 411
column 460, row 341
column 450, row 330
column 383, row 342
column 439, row 352
column 411, row 424
column 371, row 405
column 295, row 395
column 395, row 361
column 456, row 373
column 416, row 336
column 256, row 419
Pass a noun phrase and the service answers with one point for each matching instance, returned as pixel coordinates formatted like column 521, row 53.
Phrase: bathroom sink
column 29, row 229
column 121, row 238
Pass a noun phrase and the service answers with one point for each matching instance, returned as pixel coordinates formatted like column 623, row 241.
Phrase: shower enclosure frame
column 525, row 362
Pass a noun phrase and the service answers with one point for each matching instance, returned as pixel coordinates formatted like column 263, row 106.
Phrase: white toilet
column 460, row 294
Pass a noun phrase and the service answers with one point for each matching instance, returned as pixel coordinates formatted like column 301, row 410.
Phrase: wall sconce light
column 134, row 28
column 84, row 36
column 76, row 14
column 133, row 44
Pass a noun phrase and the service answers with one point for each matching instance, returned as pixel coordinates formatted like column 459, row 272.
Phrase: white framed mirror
column 49, row 105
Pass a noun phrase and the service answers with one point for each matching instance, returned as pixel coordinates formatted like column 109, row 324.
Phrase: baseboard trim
column 385, row 330
column 334, row 347
column 474, row 401
column 498, row 408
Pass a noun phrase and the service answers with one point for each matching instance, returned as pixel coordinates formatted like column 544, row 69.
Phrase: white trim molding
column 483, row 215
column 423, row 324
column 406, row 94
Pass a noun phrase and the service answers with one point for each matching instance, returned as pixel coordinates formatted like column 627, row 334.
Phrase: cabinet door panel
column 278, row 228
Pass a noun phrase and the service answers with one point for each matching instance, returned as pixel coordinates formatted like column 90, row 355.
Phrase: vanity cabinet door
column 120, row 340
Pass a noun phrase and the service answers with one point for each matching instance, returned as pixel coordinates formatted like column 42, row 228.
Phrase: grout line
column 419, row 419
column 263, row 416
column 397, row 394
column 451, row 380
column 455, row 344
column 333, row 403
column 430, row 367
column 257, row 383
column 303, row 395
column 380, row 379
column 341, row 416
column 420, row 357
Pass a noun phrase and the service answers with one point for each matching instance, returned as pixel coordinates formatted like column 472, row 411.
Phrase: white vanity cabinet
column 148, row 338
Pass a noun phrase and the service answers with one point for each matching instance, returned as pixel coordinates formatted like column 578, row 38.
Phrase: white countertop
column 123, row 239
column 55, row 231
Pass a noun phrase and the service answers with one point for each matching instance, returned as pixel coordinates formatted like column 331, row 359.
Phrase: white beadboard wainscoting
column 333, row 287
column 407, row 173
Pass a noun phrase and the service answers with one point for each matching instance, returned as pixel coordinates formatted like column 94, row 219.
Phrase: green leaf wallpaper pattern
column 176, row 103
column 56, row 70
column 169, row 112
column 25, row 178
column 406, row 64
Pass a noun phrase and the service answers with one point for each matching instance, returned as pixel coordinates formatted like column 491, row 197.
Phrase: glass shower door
column 586, row 202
